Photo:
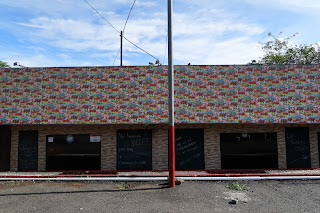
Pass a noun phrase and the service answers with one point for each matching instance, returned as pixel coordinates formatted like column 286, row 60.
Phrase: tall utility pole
column 171, row 100
column 121, row 38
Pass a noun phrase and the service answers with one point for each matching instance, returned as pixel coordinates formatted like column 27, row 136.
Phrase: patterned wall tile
column 131, row 95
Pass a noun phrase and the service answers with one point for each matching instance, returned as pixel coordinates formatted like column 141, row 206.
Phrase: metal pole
column 171, row 100
column 121, row 36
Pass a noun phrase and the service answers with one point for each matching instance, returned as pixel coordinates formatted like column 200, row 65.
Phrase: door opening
column 73, row 152
column 249, row 150
column 5, row 144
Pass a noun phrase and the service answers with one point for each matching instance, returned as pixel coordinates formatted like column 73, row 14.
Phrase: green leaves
column 278, row 51
column 3, row 64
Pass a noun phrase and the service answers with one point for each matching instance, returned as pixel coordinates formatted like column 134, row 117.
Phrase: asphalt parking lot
column 190, row 196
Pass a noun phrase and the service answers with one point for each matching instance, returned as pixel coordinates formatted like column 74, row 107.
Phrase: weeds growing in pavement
column 121, row 186
column 237, row 186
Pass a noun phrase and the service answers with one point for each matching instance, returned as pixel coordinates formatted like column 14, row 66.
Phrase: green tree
column 278, row 51
column 3, row 64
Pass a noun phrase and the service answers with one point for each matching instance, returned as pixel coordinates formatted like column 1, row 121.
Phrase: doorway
column 73, row 152
column 319, row 146
column 249, row 150
column 5, row 144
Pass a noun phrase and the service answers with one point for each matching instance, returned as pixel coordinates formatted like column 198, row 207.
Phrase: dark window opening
column 73, row 152
column 319, row 146
column 189, row 149
column 249, row 150
column 134, row 150
column 5, row 144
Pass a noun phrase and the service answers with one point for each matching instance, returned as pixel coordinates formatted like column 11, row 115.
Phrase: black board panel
column 134, row 150
column 189, row 149
column 28, row 150
column 298, row 147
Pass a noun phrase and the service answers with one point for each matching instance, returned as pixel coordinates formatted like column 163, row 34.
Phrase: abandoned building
column 115, row 118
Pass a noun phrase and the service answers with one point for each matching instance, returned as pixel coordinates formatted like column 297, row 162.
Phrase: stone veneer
column 160, row 141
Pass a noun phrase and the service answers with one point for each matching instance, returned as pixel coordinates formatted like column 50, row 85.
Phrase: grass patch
column 10, row 183
column 237, row 186
column 121, row 186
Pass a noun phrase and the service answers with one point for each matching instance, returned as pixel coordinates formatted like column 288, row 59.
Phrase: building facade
column 115, row 118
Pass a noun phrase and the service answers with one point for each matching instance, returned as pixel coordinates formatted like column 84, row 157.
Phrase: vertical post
column 121, row 35
column 171, row 100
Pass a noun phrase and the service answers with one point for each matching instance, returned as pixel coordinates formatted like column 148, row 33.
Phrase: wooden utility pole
column 121, row 38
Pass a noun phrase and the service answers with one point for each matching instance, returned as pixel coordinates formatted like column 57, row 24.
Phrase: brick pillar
column 14, row 149
column 160, row 148
column 42, row 151
column 314, row 151
column 212, row 155
column 282, row 160
column 109, row 150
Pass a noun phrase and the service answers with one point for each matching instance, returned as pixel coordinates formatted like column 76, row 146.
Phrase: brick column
column 212, row 154
column 314, row 151
column 42, row 152
column 282, row 160
column 109, row 150
column 14, row 148
column 160, row 149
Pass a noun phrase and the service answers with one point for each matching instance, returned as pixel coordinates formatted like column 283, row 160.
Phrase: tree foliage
column 3, row 64
column 279, row 51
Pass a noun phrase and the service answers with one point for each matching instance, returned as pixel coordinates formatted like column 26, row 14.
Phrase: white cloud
column 202, row 35
column 294, row 5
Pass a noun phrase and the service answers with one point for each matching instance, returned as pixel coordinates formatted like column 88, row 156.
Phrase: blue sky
column 40, row 33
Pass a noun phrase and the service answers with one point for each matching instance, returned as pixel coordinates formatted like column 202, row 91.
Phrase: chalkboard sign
column 298, row 147
column 134, row 150
column 189, row 149
column 28, row 150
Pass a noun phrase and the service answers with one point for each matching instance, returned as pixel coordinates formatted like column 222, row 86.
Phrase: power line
column 165, row 51
column 140, row 48
column 115, row 57
column 122, row 33
column 102, row 16
column 124, row 27
column 128, row 16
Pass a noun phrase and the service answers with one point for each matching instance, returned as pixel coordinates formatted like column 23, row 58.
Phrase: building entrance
column 73, row 152
column 249, row 150
column 5, row 144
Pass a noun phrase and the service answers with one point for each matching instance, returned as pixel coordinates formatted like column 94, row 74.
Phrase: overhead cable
column 118, row 30
column 165, row 51
column 115, row 57
column 140, row 48
column 102, row 16
column 128, row 16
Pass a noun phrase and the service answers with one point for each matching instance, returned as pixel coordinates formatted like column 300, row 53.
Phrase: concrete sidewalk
column 214, row 173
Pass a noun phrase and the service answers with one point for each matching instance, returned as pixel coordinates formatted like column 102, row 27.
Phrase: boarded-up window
column 189, row 149
column 298, row 147
column 134, row 150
